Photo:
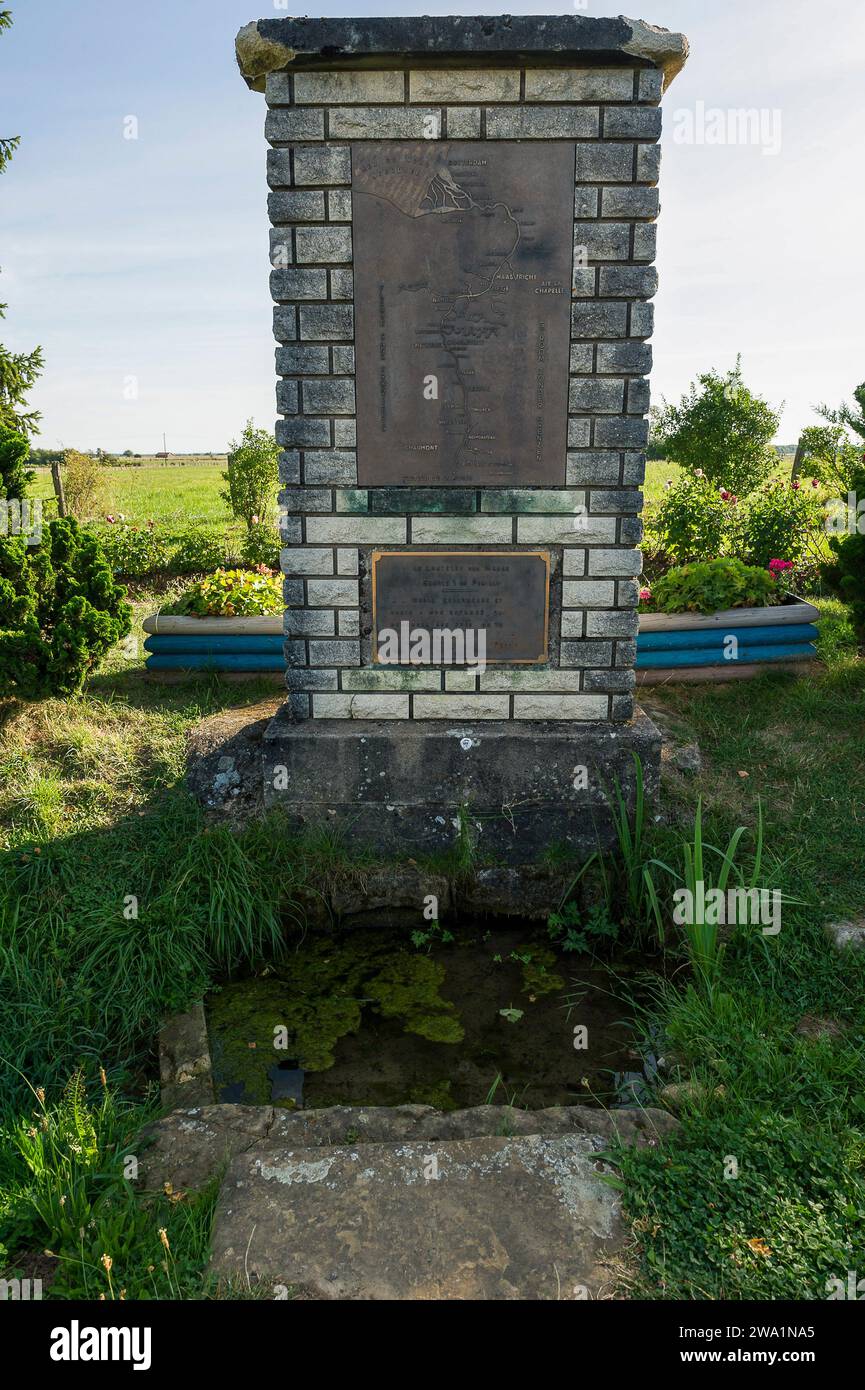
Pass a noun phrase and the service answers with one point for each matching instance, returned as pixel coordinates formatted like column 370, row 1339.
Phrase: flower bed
column 698, row 647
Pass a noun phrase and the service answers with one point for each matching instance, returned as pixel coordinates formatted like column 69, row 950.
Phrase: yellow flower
column 163, row 1236
column 758, row 1246
column 108, row 1262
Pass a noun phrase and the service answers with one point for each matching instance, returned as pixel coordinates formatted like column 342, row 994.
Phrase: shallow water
column 366, row 1018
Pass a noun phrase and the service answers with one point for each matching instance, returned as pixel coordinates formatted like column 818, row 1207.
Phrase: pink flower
column 725, row 495
column 814, row 482
column 778, row 566
column 110, row 519
column 645, row 595
column 796, row 487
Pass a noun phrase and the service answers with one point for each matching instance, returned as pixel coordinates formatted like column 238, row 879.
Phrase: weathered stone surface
column 846, row 935
column 272, row 44
column 224, row 760
column 399, row 786
column 387, row 890
column 686, row 758
column 184, row 1060
column 189, row 1147
column 530, row 892
column 484, row 1218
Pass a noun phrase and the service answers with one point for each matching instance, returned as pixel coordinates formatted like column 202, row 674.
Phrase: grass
column 165, row 493
column 118, row 904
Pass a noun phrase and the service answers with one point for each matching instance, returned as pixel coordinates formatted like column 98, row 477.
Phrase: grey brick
column 593, row 466
column 588, row 593
column 464, row 84
column 306, row 559
column 622, row 201
column 631, row 530
column 628, row 593
column 582, row 357
column 564, row 530
column 335, row 593
column 284, row 323
column 584, row 282
column 634, row 469
column 572, row 622
column 645, row 241
column 326, row 322
column 304, row 206
column 317, row 165
column 590, row 393
column 281, row 251
column 345, row 433
column 302, row 432
column 289, row 467
column 306, row 499
column 341, row 284
column 598, row 320
column 642, row 320
column 289, row 529
column 622, row 709
column 336, row 87
column 619, row 500
column 638, row 397
column 612, row 624
column 352, row 499
column 560, row 707
column 337, row 466
column 281, row 127
column 609, row 680
column 603, row 241
column 619, row 564
column 295, row 654
column 542, row 123
column 300, row 360
column 651, row 84
column 334, row 653
column 620, row 433
column 573, row 561
column 298, row 284
column 309, row 622
column 347, row 562
column 598, row 163
column 586, row 653
column 279, row 168
column 626, row 653
column 575, row 84
column 586, row 201
column 380, row 123
column 343, row 360
column 540, row 501
column 624, row 357
column 304, row 679
column 322, row 244
column 463, row 122
column 633, row 281
column 632, row 122
column 335, row 396
column 292, row 591
column 298, row 705
column 286, row 397
column 579, row 433
column 648, row 163
column 348, row 622
column 338, row 205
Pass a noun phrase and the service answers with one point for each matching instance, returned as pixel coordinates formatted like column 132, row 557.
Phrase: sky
column 141, row 264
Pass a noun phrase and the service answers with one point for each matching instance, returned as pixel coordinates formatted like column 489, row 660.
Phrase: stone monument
column 463, row 236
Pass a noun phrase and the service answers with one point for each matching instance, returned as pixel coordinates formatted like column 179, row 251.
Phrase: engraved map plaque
column 463, row 258
column 504, row 593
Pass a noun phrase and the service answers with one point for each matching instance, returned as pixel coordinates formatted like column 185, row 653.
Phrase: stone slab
column 424, row 785
column 486, row 1218
column 269, row 45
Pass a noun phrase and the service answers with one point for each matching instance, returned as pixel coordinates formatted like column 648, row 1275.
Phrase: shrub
column 693, row 520
column 781, row 519
column 83, row 483
column 233, row 594
column 712, row 585
column 14, row 476
column 61, row 609
column 198, row 551
column 722, row 428
column 845, row 573
column 133, row 551
column 260, row 546
column 252, row 475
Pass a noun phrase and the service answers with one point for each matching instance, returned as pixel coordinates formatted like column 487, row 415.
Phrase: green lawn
column 176, row 494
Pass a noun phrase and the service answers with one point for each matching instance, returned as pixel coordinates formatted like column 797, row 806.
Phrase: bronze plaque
column 501, row 593
column 463, row 256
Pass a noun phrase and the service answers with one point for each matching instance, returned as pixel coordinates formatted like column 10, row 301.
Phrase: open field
column 176, row 493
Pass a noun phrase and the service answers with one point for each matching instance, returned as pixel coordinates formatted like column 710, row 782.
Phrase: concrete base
column 511, row 790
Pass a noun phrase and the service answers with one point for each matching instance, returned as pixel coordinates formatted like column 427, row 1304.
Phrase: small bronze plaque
column 463, row 256
column 503, row 594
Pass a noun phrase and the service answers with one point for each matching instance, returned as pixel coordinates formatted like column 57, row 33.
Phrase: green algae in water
column 302, row 1009
column 369, row 1020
